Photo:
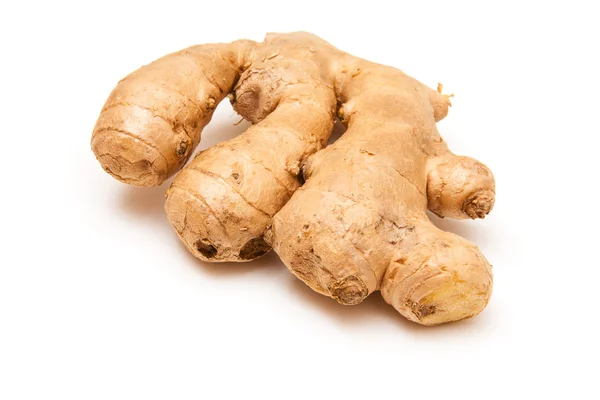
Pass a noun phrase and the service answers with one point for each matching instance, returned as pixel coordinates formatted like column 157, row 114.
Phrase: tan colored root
column 243, row 184
column 459, row 187
column 439, row 279
column 358, row 224
column 362, row 209
column 245, row 181
column 152, row 120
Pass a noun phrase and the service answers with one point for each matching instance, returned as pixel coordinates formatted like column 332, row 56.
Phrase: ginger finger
column 442, row 278
column 359, row 224
column 459, row 187
column 153, row 119
column 222, row 203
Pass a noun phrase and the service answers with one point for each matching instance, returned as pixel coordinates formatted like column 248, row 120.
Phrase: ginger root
column 359, row 223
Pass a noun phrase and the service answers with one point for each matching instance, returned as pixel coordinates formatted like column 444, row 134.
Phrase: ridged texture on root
column 359, row 222
column 442, row 278
column 152, row 120
column 459, row 187
column 254, row 175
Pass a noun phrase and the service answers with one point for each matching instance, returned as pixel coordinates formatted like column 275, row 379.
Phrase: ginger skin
column 358, row 224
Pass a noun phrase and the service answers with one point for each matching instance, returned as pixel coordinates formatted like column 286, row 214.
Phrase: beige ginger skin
column 358, row 224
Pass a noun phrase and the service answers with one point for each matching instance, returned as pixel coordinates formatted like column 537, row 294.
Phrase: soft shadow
column 225, row 125
column 144, row 202
column 468, row 229
column 373, row 307
column 338, row 130
column 269, row 262
column 372, row 310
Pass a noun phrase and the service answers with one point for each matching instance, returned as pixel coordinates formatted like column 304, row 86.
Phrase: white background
column 99, row 300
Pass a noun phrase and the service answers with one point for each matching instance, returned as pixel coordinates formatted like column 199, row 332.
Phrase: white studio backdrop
column 99, row 300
